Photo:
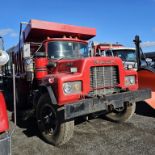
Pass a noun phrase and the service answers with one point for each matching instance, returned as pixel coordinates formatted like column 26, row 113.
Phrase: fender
column 51, row 94
column 4, row 125
column 148, row 68
column 45, row 88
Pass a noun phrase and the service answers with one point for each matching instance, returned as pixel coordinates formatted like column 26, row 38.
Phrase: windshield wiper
column 61, row 58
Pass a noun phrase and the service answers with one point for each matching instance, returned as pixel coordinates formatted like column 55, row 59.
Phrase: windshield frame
column 66, row 40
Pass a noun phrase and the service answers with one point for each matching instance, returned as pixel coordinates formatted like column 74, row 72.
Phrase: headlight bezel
column 72, row 87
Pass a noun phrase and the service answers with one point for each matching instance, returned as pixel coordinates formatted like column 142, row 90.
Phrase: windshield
column 67, row 49
column 126, row 55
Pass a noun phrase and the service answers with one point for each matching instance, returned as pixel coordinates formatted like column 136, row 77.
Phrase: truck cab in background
column 127, row 54
column 134, row 59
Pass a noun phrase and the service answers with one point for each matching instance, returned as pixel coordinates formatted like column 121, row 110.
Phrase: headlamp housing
column 130, row 80
column 72, row 87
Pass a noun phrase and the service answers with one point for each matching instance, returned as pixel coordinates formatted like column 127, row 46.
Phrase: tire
column 51, row 130
column 122, row 115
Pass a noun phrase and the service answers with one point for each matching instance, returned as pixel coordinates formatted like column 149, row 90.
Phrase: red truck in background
column 127, row 54
column 59, row 79
column 133, row 58
column 103, row 48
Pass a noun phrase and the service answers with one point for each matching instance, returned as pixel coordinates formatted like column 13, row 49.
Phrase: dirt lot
column 96, row 136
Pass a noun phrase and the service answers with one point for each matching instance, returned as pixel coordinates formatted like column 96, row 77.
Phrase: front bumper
column 97, row 104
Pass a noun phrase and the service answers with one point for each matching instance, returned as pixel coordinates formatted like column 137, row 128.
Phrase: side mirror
column 148, row 59
column 4, row 58
column 40, row 54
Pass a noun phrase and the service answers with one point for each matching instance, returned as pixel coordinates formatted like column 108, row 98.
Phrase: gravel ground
column 96, row 136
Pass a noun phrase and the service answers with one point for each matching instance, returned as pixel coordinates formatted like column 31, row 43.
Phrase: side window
column 83, row 51
column 97, row 52
column 109, row 53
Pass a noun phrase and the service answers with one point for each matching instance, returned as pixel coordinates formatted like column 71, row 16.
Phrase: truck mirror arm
column 139, row 52
column 137, row 42
column 39, row 54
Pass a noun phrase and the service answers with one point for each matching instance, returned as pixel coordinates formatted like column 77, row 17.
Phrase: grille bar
column 103, row 77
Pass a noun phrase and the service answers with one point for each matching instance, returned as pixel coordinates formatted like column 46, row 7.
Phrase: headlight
column 129, row 80
column 72, row 87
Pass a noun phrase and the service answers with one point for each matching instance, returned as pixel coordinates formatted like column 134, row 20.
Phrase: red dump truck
column 59, row 79
column 127, row 54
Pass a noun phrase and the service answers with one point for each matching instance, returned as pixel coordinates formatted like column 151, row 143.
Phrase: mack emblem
column 103, row 62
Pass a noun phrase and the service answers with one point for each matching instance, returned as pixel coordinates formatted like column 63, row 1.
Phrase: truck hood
column 81, row 64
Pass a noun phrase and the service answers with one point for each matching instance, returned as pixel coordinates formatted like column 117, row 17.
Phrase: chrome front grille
column 103, row 79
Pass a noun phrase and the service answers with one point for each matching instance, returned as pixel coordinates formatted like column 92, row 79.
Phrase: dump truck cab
column 127, row 54
column 134, row 59
column 61, row 80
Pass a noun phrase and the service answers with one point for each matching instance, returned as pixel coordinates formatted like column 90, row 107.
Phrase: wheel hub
column 48, row 120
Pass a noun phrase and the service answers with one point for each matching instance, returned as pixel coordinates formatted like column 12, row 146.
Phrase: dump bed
column 38, row 30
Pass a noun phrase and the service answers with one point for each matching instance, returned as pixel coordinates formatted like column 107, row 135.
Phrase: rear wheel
column 122, row 114
column 52, row 131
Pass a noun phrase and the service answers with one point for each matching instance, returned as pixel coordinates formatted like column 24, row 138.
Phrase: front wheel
column 122, row 114
column 52, row 131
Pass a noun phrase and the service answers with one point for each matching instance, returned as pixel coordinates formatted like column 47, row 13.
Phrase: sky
column 115, row 20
